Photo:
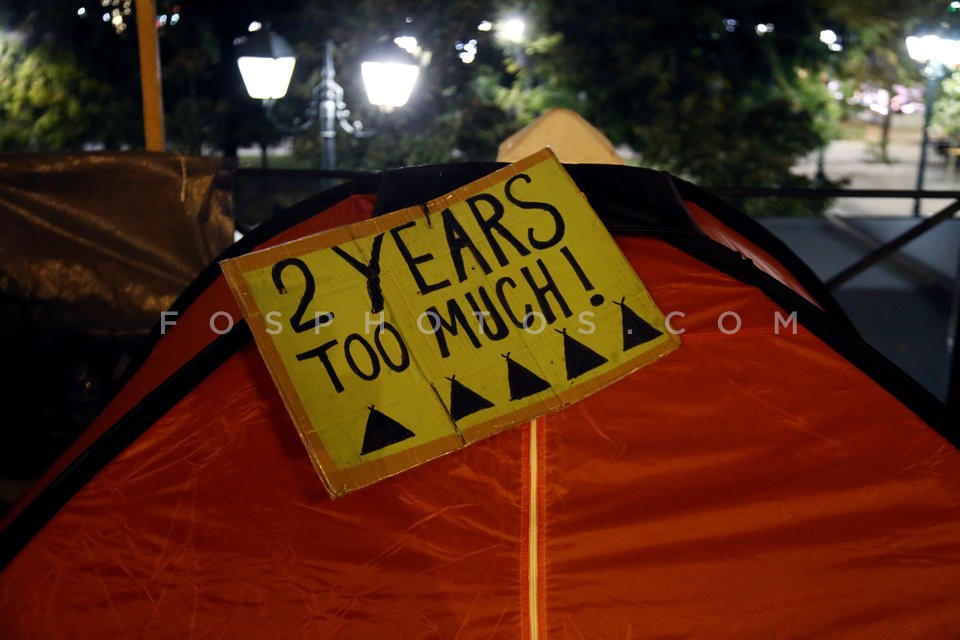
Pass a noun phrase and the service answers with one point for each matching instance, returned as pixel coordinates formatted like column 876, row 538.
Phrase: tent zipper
column 533, row 533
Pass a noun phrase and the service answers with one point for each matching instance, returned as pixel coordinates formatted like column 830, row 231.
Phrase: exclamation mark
column 596, row 299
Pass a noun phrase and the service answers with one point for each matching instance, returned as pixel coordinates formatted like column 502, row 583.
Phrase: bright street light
column 935, row 49
column 390, row 73
column 936, row 53
column 266, row 64
column 512, row 30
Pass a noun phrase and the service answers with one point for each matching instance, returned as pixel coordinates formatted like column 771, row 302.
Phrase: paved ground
column 857, row 161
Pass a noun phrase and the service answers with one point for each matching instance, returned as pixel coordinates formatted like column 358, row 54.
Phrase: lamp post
column 832, row 41
column 936, row 53
column 266, row 64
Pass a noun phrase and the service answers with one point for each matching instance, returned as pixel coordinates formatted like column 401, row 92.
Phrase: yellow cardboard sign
column 407, row 336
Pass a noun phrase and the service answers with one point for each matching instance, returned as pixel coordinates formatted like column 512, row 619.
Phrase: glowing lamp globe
column 934, row 48
column 266, row 64
column 389, row 75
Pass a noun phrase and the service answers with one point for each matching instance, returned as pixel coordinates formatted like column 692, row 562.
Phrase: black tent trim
column 678, row 233
column 863, row 356
column 122, row 434
column 759, row 235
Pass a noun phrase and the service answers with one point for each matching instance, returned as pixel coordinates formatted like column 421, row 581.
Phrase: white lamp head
column 512, row 29
column 389, row 74
column 266, row 64
column 934, row 48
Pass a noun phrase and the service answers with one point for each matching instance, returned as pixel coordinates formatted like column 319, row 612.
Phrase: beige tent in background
column 573, row 140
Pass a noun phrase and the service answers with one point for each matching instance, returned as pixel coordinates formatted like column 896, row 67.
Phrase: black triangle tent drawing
column 523, row 382
column 464, row 401
column 579, row 358
column 636, row 330
column 382, row 431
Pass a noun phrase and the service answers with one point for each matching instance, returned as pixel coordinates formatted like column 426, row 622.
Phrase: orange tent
column 767, row 479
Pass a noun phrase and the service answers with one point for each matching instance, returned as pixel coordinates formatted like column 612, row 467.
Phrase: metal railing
column 922, row 226
column 886, row 250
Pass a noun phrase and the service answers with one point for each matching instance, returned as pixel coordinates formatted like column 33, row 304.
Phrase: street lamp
column 936, row 53
column 513, row 29
column 266, row 64
column 389, row 75
column 834, row 43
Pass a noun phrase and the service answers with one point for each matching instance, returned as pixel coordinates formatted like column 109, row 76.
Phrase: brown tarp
column 92, row 248
column 111, row 239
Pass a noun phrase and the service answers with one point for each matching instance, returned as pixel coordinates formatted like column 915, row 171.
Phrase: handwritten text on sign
column 408, row 336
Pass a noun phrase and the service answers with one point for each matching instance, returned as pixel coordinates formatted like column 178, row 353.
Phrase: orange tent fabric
column 755, row 483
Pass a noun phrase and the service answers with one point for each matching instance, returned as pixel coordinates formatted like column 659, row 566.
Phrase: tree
column 81, row 83
column 874, row 51
column 708, row 93
column 54, row 96
column 946, row 115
